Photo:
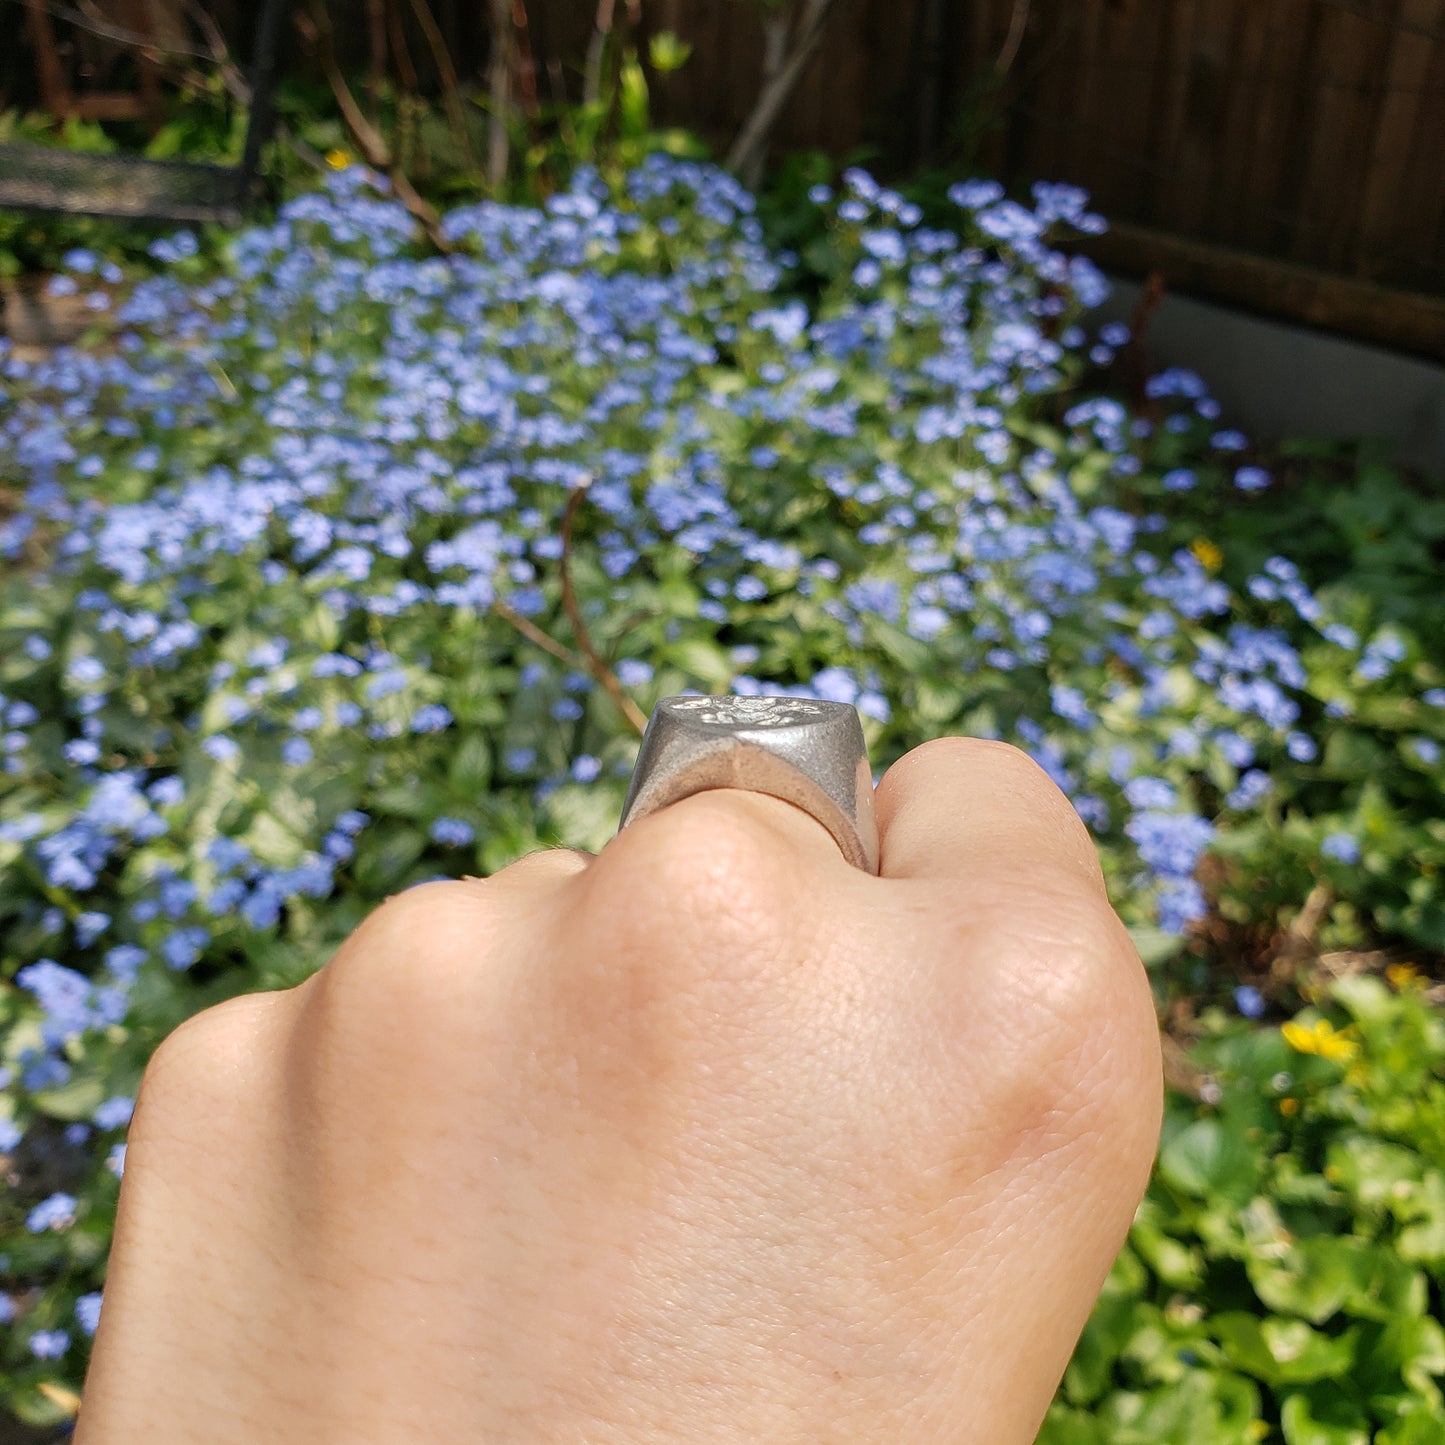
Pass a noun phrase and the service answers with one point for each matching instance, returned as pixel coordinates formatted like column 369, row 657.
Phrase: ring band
column 807, row 752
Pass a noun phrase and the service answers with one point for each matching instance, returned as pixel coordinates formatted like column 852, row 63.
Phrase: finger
column 971, row 809
column 770, row 825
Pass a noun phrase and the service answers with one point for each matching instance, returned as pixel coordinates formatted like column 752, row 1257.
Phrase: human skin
column 710, row 1137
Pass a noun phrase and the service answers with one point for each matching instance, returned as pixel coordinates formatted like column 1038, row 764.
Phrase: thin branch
column 447, row 74
column 595, row 665
column 369, row 141
column 236, row 84
column 96, row 24
column 499, row 86
column 750, row 149
column 596, row 48
column 525, row 67
column 405, row 66
column 1018, row 23
column 534, row 634
column 376, row 39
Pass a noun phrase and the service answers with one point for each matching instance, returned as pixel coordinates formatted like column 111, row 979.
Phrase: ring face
column 806, row 752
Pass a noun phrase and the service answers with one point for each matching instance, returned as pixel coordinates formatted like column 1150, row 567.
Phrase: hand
column 711, row 1137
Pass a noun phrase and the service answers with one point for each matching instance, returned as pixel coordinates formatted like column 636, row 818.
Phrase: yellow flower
column 1319, row 1038
column 1289, row 1106
column 1402, row 976
column 338, row 159
column 1208, row 554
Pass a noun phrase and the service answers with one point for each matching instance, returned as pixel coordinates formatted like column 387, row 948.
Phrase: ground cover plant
column 349, row 564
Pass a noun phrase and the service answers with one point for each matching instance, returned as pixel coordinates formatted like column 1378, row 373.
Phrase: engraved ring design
column 807, row 752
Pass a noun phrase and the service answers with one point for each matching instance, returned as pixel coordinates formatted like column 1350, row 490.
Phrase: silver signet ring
column 806, row 752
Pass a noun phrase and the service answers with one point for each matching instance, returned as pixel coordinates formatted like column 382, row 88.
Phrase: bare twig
column 447, row 74
column 376, row 40
column 534, row 634
column 91, row 21
column 596, row 49
column 525, row 66
column 749, row 151
column 369, row 141
column 1018, row 23
column 405, row 66
column 236, row 84
column 1298, row 945
column 499, row 86
column 595, row 665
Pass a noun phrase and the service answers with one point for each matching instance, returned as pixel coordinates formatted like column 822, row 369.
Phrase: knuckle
column 1088, row 1021
column 405, row 990
column 1044, row 1003
column 706, row 865
column 200, row 1072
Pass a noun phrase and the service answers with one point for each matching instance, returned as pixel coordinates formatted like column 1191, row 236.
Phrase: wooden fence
column 1307, row 135
column 1304, row 137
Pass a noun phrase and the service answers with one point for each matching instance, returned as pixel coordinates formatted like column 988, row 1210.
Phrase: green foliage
column 1369, row 541
column 1283, row 1279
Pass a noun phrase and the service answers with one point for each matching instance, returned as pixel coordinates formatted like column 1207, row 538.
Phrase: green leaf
column 667, row 52
column 1420, row 1424
column 1281, row 1352
column 1318, row 1277
column 1063, row 1426
column 385, row 858
column 1207, row 1159
column 584, row 816
column 470, row 770
column 1155, row 946
column 74, row 1100
column 1324, row 1415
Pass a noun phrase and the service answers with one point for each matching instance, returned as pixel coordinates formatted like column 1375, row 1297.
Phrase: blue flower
column 1249, row 1001
column 432, row 718
column 453, row 832
column 89, row 926
column 87, row 1311
column 631, row 672
column 49, row 1344
column 1252, row 788
column 114, row 1113
column 296, row 752
column 1342, row 847
column 585, row 768
column 55, row 1213
column 1301, row 747
column 1181, row 902
column 1169, row 843
column 182, row 948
